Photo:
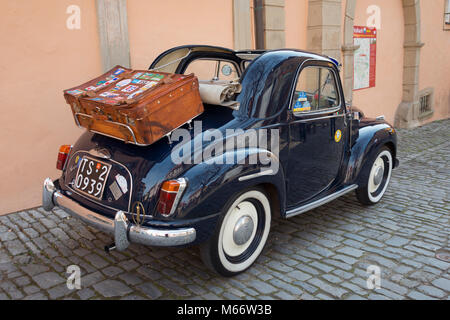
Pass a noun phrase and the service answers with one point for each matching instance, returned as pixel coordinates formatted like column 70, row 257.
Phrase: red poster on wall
column 365, row 61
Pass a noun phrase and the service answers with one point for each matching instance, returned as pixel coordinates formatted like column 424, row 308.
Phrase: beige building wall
column 434, row 71
column 386, row 96
column 39, row 58
column 296, row 12
column 155, row 26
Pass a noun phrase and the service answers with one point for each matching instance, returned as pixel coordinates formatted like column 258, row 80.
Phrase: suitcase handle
column 167, row 80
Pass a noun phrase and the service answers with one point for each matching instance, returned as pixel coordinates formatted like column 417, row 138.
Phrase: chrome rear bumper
column 123, row 231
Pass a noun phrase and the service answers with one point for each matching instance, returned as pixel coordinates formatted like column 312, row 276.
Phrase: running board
column 318, row 203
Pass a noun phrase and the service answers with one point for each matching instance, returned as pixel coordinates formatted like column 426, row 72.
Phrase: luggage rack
column 127, row 127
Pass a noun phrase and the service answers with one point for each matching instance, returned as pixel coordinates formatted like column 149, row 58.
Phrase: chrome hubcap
column 378, row 176
column 240, row 228
column 243, row 230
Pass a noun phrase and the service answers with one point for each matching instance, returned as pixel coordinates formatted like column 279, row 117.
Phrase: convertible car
column 317, row 149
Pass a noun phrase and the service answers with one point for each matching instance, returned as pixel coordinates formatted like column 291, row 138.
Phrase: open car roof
column 173, row 60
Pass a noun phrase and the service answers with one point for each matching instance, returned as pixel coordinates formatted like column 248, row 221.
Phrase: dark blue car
column 288, row 144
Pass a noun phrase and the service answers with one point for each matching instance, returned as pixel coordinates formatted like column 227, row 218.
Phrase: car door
column 317, row 132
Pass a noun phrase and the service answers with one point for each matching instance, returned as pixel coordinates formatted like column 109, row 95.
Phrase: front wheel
column 375, row 177
column 241, row 234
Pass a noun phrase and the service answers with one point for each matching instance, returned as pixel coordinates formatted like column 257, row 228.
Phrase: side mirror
column 354, row 115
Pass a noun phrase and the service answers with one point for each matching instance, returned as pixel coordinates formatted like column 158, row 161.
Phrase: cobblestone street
column 322, row 254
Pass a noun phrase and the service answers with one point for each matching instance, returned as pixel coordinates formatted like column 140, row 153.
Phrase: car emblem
column 100, row 152
column 338, row 136
column 138, row 213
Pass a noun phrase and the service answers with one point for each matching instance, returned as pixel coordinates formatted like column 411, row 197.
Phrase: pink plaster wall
column 386, row 96
column 158, row 25
column 296, row 15
column 39, row 58
column 435, row 57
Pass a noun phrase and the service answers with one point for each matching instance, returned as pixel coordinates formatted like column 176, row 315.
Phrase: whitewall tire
column 375, row 177
column 240, row 235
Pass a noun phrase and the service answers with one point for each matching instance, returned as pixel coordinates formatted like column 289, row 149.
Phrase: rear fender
column 211, row 184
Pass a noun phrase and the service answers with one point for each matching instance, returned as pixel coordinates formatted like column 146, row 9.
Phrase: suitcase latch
column 99, row 111
column 130, row 121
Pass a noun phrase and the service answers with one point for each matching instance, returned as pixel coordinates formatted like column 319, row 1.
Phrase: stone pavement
column 322, row 254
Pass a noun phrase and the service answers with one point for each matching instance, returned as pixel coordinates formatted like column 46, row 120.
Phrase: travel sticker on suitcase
column 135, row 106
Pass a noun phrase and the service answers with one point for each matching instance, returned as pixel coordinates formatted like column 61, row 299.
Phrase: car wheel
column 375, row 177
column 240, row 234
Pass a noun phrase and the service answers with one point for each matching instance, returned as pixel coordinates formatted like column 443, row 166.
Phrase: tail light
column 170, row 195
column 64, row 151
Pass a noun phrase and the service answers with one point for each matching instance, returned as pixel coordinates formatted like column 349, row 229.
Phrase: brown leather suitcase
column 73, row 95
column 138, row 107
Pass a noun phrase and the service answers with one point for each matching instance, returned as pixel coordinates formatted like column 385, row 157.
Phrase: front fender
column 212, row 184
column 372, row 135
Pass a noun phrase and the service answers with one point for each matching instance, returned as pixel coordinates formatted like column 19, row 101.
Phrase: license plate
column 91, row 177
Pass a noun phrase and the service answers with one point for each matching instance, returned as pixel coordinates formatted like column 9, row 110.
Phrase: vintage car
column 319, row 149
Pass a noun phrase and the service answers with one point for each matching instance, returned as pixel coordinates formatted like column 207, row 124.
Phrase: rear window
column 213, row 69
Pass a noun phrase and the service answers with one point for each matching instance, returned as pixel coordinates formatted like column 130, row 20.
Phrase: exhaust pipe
column 110, row 247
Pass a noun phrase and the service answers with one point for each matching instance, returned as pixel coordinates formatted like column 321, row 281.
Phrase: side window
column 206, row 69
column 203, row 69
column 315, row 90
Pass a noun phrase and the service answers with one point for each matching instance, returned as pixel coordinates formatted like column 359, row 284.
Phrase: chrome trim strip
column 291, row 95
column 319, row 118
column 180, row 192
column 255, row 175
column 65, row 163
column 119, row 225
column 168, row 191
column 291, row 98
column 318, row 203
column 314, row 113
